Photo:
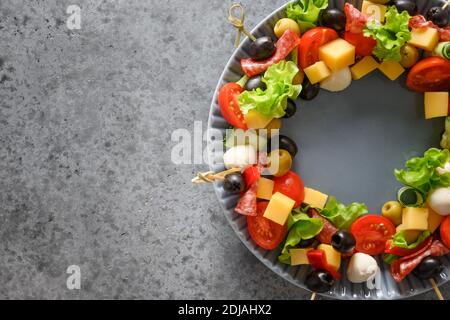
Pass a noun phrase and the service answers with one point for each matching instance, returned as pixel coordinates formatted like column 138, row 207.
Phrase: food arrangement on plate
column 322, row 48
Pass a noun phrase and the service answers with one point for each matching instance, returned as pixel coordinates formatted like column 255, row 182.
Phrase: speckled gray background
column 86, row 118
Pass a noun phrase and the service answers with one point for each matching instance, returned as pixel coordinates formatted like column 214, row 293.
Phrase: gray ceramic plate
column 350, row 142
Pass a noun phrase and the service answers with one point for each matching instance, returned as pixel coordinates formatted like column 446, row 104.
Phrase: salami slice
column 404, row 266
column 247, row 203
column 328, row 229
column 288, row 41
column 419, row 21
column 356, row 20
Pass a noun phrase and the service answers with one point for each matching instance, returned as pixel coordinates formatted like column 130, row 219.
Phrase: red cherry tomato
column 363, row 45
column 290, row 185
column 264, row 232
column 251, row 175
column 310, row 43
column 371, row 233
column 445, row 231
column 229, row 106
column 429, row 74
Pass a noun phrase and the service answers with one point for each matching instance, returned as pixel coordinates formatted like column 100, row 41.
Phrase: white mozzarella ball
column 240, row 157
column 439, row 201
column 338, row 80
column 361, row 268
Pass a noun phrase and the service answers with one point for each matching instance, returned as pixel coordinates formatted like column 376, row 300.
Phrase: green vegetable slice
column 445, row 142
column 421, row 172
column 342, row 216
column 273, row 101
column 399, row 240
column 391, row 36
column 300, row 226
column 389, row 258
column 306, row 12
column 410, row 197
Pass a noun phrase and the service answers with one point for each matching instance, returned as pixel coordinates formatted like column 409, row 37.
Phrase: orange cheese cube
column 436, row 104
column 299, row 256
column 315, row 199
column 333, row 256
column 265, row 188
column 256, row 120
column 415, row 218
column 337, row 54
column 279, row 208
column 424, row 38
column 363, row 67
column 317, row 72
column 373, row 10
column 391, row 69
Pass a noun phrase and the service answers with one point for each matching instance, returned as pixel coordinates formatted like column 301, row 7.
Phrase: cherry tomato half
column 229, row 106
column 310, row 43
column 290, row 185
column 264, row 232
column 429, row 74
column 445, row 231
column 371, row 233
column 363, row 45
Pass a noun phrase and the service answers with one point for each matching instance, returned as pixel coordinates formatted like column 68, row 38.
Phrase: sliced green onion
column 410, row 197
column 443, row 50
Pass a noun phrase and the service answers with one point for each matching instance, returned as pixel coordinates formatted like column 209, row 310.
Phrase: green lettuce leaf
column 445, row 142
column 342, row 216
column 391, row 36
column 306, row 12
column 421, row 171
column 389, row 258
column 399, row 240
column 300, row 226
column 273, row 101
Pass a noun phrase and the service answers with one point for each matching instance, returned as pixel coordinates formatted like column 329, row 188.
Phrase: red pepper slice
column 403, row 252
column 229, row 106
column 251, row 175
column 288, row 42
column 318, row 260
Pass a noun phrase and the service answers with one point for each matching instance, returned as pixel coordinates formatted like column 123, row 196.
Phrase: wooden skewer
column 446, row 4
column 313, row 296
column 436, row 289
column 211, row 176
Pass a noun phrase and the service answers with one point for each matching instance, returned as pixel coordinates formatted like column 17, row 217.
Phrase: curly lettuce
column 399, row 240
column 300, row 226
column 421, row 172
column 306, row 12
column 342, row 216
column 272, row 102
column 391, row 36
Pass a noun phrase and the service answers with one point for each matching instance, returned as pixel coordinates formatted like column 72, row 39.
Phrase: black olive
column 254, row 83
column 306, row 243
column 319, row 281
column 234, row 182
column 406, row 5
column 343, row 241
column 428, row 268
column 438, row 16
column 309, row 91
column 332, row 18
column 291, row 109
column 262, row 48
column 287, row 144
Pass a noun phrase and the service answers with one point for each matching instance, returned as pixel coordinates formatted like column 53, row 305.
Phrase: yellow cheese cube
column 317, row 72
column 391, row 69
column 374, row 11
column 410, row 235
column 279, row 208
column 299, row 256
column 337, row 54
column 434, row 220
column 365, row 66
column 436, row 104
column 265, row 188
column 256, row 120
column 314, row 198
column 333, row 256
column 424, row 38
column 415, row 218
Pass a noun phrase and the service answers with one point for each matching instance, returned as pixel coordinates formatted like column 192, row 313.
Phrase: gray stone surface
column 86, row 118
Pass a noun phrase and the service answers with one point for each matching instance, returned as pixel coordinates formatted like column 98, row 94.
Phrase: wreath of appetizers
column 325, row 48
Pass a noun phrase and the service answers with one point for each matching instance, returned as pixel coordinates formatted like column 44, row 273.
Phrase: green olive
column 284, row 24
column 409, row 55
column 280, row 162
column 393, row 211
